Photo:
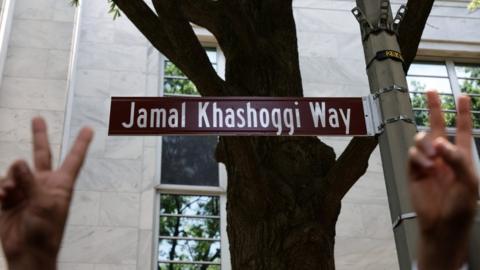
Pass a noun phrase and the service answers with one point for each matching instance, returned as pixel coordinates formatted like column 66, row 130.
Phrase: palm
column 35, row 204
column 443, row 184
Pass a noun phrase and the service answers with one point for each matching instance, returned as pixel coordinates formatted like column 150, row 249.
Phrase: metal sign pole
column 388, row 84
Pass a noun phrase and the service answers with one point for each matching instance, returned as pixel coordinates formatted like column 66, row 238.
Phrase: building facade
column 147, row 202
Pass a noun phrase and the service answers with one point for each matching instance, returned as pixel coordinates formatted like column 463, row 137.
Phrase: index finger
column 437, row 122
column 74, row 160
column 464, row 125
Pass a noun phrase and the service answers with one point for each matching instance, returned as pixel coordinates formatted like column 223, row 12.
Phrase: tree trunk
column 276, row 219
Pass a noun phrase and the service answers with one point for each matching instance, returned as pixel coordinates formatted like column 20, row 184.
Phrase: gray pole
column 388, row 84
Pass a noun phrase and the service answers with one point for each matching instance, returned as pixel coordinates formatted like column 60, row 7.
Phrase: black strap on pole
column 387, row 54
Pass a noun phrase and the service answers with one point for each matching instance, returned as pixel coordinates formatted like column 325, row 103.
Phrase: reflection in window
column 189, row 237
column 189, row 161
column 425, row 76
column 469, row 81
column 175, row 82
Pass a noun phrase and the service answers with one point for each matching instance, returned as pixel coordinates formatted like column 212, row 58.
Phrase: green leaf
column 474, row 5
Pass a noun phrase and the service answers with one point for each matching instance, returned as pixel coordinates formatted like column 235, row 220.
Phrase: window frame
column 220, row 190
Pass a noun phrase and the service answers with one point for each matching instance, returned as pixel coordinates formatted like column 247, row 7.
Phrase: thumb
column 23, row 177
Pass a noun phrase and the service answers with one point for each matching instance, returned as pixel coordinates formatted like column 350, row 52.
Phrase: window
column 189, row 232
column 192, row 192
column 451, row 80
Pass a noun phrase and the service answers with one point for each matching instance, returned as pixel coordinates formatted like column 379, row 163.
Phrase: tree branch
column 411, row 28
column 173, row 36
column 349, row 167
column 205, row 13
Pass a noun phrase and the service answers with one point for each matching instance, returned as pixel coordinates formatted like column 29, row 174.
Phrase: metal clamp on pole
column 390, row 89
column 383, row 24
column 392, row 120
column 399, row 18
column 365, row 25
column 403, row 217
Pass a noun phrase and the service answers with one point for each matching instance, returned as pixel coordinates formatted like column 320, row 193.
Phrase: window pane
column 419, row 105
column 189, row 161
column 422, row 84
column 421, row 118
column 189, row 216
column 428, row 69
column 212, row 55
column 179, row 86
column 476, row 121
column 190, row 227
column 467, row 71
column 173, row 266
column 470, row 86
column 188, row 250
column 191, row 205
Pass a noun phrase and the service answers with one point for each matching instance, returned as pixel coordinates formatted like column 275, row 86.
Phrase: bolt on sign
column 240, row 116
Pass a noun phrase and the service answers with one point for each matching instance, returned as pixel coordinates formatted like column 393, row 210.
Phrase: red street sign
column 241, row 116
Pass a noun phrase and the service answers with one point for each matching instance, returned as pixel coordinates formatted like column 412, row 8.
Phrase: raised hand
column 444, row 188
column 35, row 203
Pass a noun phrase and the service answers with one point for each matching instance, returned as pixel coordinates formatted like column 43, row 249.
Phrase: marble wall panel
column 144, row 260
column 110, row 175
column 150, row 168
column 119, row 209
column 40, row 9
column 75, row 266
column 95, row 9
column 90, row 111
column 126, row 33
column 114, row 267
column 377, row 222
column 124, row 147
column 36, row 94
column 128, row 83
column 147, row 211
column 57, row 64
column 16, row 124
column 85, row 208
column 360, row 253
column 26, row 62
column 92, row 83
column 333, row 71
column 91, row 33
column 350, row 223
column 330, row 21
column 103, row 245
column 41, row 34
